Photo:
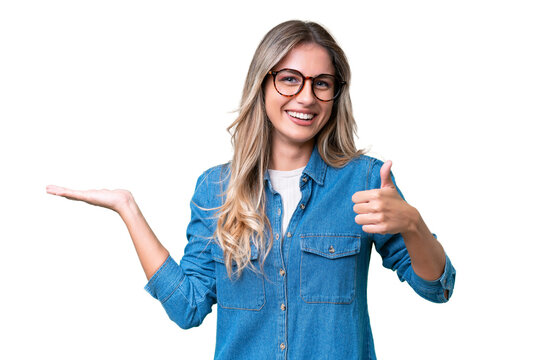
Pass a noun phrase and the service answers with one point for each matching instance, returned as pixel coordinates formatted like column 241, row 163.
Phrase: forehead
column 310, row 59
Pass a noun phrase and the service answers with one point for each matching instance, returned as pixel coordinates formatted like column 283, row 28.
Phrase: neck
column 289, row 156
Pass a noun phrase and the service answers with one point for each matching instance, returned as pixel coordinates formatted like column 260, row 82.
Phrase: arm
column 428, row 258
column 150, row 251
column 402, row 238
column 427, row 254
column 186, row 290
column 152, row 254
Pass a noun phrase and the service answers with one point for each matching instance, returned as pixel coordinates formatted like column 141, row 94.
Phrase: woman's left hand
column 383, row 210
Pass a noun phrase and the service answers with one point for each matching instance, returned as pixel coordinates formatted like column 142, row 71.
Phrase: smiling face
column 297, row 119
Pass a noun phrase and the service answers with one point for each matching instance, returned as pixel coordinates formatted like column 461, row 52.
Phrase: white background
column 137, row 95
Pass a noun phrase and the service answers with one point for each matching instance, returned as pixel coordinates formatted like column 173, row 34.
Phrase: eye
column 289, row 79
column 324, row 82
column 321, row 84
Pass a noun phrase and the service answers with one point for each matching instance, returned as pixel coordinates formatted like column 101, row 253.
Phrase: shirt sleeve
column 395, row 256
column 187, row 290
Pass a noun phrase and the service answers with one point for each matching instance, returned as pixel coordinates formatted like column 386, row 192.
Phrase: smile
column 301, row 116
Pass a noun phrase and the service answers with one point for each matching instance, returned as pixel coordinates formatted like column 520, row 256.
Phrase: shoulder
column 360, row 164
column 211, row 185
column 362, row 171
column 364, row 162
column 215, row 174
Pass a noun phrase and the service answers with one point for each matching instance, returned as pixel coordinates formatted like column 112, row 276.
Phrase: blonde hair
column 242, row 218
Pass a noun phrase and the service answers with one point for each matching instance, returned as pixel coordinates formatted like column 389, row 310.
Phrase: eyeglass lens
column 289, row 82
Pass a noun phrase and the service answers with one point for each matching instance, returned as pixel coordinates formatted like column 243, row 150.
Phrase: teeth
column 300, row 115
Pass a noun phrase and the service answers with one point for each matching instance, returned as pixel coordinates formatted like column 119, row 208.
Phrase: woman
column 281, row 236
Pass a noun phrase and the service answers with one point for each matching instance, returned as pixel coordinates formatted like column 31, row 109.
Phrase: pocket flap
column 331, row 246
column 217, row 253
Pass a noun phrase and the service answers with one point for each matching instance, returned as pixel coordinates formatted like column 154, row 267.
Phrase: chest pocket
column 244, row 293
column 328, row 268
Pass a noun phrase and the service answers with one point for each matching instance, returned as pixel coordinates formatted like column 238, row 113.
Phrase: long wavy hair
column 242, row 219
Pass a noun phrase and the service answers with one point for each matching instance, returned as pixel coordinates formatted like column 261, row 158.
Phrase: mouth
column 301, row 115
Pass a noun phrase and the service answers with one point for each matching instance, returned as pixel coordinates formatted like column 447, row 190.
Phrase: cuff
column 166, row 280
column 434, row 290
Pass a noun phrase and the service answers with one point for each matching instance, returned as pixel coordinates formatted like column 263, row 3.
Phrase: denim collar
column 315, row 168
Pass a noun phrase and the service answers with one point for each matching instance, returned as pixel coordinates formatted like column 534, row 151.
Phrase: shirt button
column 279, row 211
column 302, row 206
column 304, row 179
column 289, row 234
column 277, row 236
column 281, row 272
column 282, row 346
column 331, row 249
column 283, row 307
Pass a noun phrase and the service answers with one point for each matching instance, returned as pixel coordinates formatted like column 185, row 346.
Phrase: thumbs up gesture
column 383, row 210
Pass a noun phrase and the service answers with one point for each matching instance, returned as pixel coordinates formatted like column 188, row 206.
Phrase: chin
column 300, row 140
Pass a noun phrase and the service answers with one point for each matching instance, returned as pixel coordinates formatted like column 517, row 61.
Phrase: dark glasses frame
column 339, row 83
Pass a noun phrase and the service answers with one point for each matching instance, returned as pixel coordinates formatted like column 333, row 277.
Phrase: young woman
column 280, row 238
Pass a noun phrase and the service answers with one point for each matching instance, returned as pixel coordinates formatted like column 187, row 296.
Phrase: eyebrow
column 303, row 73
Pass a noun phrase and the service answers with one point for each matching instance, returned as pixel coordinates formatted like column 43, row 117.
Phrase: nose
column 305, row 96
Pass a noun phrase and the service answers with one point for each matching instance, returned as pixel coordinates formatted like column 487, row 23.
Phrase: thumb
column 386, row 179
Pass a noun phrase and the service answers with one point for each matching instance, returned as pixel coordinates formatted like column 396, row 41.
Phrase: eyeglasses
column 289, row 82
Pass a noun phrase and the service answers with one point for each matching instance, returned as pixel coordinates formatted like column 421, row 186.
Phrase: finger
column 363, row 208
column 67, row 193
column 366, row 219
column 365, row 196
column 55, row 190
column 386, row 178
column 375, row 228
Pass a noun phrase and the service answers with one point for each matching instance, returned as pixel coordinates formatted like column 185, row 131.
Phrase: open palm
column 110, row 199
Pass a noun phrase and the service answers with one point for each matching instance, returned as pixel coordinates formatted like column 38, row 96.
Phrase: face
column 296, row 120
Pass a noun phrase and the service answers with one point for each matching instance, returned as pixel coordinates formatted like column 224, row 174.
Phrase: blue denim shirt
column 312, row 302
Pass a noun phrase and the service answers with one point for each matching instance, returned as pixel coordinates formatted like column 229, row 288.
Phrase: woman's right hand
column 151, row 252
column 110, row 199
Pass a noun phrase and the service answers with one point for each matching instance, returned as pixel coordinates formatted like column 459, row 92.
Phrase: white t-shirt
column 287, row 184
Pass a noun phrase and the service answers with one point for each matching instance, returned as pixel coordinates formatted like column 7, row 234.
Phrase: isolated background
column 138, row 94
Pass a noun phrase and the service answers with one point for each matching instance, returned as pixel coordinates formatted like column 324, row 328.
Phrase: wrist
column 417, row 232
column 414, row 223
column 126, row 205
